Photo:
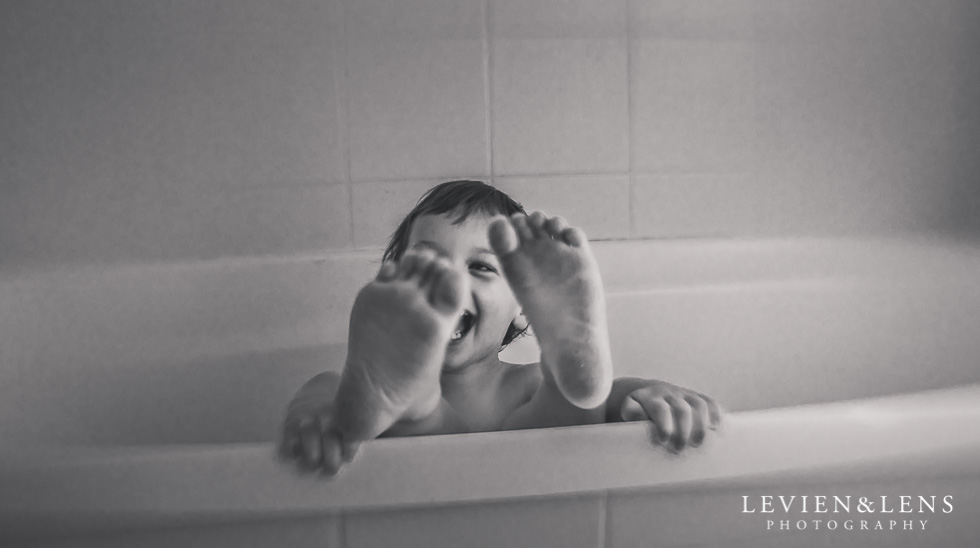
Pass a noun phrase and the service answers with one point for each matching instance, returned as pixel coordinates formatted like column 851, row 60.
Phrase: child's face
column 490, row 300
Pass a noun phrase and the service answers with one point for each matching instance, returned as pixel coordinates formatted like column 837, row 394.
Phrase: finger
column 288, row 441
column 349, row 449
column 632, row 411
column 683, row 421
column 332, row 452
column 657, row 410
column 427, row 269
column 714, row 411
column 311, row 452
column 410, row 263
column 699, row 418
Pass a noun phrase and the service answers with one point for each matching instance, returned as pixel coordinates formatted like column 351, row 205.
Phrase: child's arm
column 310, row 412
column 680, row 416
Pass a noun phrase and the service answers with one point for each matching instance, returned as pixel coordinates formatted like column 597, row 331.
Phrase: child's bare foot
column 552, row 272
column 399, row 328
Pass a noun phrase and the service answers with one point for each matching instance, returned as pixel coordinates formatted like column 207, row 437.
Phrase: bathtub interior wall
column 211, row 352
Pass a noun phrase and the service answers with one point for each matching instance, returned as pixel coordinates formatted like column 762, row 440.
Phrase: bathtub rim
column 85, row 489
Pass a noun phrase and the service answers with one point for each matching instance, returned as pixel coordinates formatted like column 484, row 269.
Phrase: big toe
column 503, row 237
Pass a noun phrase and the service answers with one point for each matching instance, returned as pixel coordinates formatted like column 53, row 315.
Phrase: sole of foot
column 550, row 267
column 400, row 325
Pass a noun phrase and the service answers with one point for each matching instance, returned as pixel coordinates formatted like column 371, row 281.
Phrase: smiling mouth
column 464, row 326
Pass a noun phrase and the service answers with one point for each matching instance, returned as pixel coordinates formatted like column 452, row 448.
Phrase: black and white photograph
column 489, row 273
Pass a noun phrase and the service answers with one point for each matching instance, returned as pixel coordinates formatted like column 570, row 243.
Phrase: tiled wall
column 188, row 129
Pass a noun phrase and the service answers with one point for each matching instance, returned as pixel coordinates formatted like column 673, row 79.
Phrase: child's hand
column 680, row 417
column 309, row 439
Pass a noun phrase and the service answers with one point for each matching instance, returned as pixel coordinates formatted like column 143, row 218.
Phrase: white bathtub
column 137, row 407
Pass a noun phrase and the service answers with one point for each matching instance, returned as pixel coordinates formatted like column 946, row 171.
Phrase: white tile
column 838, row 105
column 417, row 93
column 567, row 522
column 693, row 105
column 137, row 131
column 667, row 206
column 559, row 87
column 864, row 118
column 718, row 20
column 831, row 20
column 380, row 207
column 561, row 19
column 599, row 205
column 158, row 223
column 724, row 205
column 269, row 220
column 962, row 195
column 117, row 94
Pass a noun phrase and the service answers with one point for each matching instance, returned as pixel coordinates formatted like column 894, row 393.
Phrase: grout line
column 345, row 102
column 757, row 127
column 488, row 85
column 350, row 216
column 631, row 197
column 563, row 175
column 604, row 532
column 342, row 530
column 555, row 175
column 629, row 120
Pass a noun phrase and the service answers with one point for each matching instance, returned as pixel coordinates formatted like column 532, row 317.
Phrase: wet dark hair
column 463, row 198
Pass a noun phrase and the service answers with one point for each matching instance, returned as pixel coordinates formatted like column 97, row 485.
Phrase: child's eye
column 482, row 267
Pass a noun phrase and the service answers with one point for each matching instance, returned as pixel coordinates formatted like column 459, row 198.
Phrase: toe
column 387, row 272
column 521, row 227
column 413, row 263
column 332, row 453
column 407, row 265
column 536, row 222
column 503, row 238
column 446, row 288
column 426, row 271
column 574, row 237
column 310, row 457
column 289, row 441
column 554, row 227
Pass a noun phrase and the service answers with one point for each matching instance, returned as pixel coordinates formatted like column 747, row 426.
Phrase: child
column 464, row 274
